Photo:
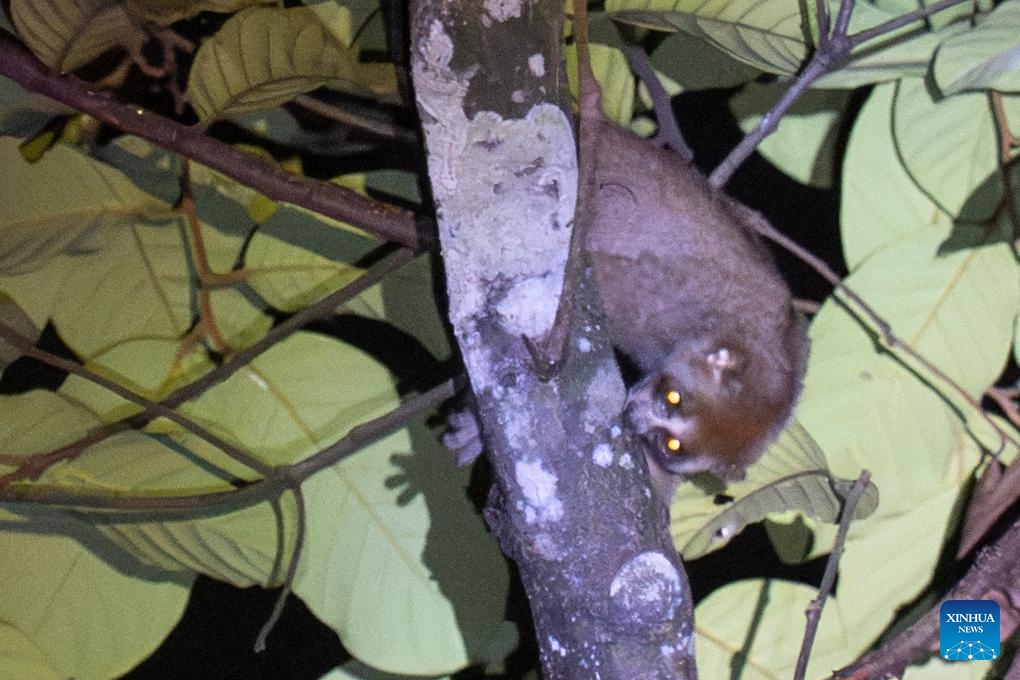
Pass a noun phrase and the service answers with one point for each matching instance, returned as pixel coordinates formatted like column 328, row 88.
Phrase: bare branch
column 386, row 221
column 280, row 478
column 814, row 611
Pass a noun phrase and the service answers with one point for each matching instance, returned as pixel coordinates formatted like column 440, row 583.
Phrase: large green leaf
column 60, row 204
column 393, row 545
column 21, row 658
column 93, row 617
column 985, row 57
column 866, row 410
column 766, row 34
column 880, row 202
column 66, row 34
column 262, row 57
column 755, row 627
column 242, row 547
column 950, row 149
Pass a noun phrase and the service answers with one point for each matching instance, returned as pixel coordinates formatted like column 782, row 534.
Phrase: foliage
column 102, row 260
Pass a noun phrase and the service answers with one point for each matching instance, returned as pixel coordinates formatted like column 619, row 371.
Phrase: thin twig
column 383, row 220
column 39, row 463
column 814, row 610
column 669, row 132
column 834, row 50
column 280, row 478
column 889, row 339
column 288, row 581
column 359, row 121
column 151, row 407
column 203, row 271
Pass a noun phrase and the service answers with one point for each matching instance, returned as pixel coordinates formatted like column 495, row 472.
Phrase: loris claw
column 694, row 299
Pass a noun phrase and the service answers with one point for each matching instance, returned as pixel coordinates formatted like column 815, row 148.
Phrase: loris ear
column 723, row 362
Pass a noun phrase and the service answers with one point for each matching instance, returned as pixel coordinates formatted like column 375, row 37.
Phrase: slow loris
column 694, row 299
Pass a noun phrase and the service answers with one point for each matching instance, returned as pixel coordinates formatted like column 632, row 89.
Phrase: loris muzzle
column 693, row 298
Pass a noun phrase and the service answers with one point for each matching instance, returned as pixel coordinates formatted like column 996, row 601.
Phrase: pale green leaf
column 887, row 59
column 241, row 547
column 94, row 616
column 868, row 411
column 889, row 560
column 38, row 422
column 149, row 367
column 752, row 629
column 950, row 149
column 765, row 34
column 67, row 34
column 356, row 670
column 288, row 276
column 805, row 145
column 880, row 203
column 15, row 318
column 263, row 57
column 394, row 545
column 166, row 12
column 299, row 396
column 746, row 627
column 985, row 57
column 21, row 658
column 936, row 668
column 59, row 205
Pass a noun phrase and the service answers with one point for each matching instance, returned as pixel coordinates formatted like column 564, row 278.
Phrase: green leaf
column 752, row 629
column 880, row 202
column 950, row 149
column 805, row 145
column 697, row 65
column 15, row 318
column 166, row 12
column 765, row 34
column 791, row 476
column 59, row 205
column 20, row 658
column 263, row 57
column 957, row 310
column 91, row 615
column 289, row 276
column 889, row 58
column 985, row 57
column 67, row 34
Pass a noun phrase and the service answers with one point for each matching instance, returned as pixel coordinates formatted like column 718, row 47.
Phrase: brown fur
column 685, row 283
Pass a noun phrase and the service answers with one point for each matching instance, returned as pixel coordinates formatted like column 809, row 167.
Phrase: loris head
column 712, row 407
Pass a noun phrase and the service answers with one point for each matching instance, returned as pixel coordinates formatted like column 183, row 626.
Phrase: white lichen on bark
column 505, row 195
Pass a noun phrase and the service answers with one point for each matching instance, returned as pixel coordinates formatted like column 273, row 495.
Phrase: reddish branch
column 383, row 220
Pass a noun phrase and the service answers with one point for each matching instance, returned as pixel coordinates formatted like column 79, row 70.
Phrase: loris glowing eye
column 672, row 397
column 673, row 445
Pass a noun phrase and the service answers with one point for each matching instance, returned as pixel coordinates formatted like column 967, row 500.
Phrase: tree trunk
column 571, row 504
